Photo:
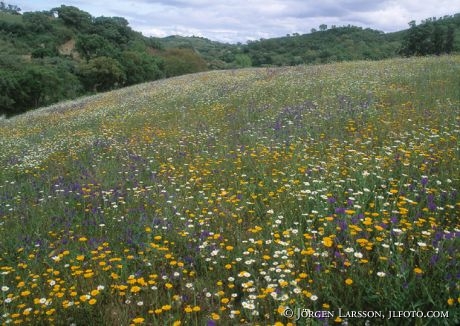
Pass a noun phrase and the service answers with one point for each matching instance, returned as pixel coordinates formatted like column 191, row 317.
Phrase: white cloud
column 242, row 20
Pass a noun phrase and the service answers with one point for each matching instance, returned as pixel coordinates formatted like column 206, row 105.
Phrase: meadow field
column 307, row 195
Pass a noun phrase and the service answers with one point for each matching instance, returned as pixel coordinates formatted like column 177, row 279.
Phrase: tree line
column 432, row 36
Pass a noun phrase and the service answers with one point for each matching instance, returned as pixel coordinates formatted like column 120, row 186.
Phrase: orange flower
column 327, row 242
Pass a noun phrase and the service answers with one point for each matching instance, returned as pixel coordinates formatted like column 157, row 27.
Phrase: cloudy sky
column 242, row 20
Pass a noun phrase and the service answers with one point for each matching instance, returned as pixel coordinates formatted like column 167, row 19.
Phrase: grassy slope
column 233, row 194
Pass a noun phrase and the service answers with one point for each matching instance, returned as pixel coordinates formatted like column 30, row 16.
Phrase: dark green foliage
column 182, row 61
column 31, row 88
column 432, row 36
column 94, row 45
column 101, row 74
column 217, row 55
column 39, row 83
column 38, row 22
column 8, row 86
column 450, row 38
column 53, row 55
column 336, row 44
column 25, row 86
column 114, row 29
column 140, row 67
column 74, row 17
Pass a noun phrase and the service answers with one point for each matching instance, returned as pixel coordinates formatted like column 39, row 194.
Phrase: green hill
column 64, row 53
column 238, row 197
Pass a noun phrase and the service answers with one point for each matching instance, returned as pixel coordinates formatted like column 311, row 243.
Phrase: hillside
column 238, row 197
column 64, row 53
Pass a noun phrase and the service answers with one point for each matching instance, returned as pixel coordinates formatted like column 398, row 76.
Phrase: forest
column 64, row 53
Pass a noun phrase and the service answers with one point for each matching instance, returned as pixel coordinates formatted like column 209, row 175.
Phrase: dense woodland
column 49, row 56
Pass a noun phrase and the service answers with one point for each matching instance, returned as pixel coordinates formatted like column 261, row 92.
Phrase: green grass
column 9, row 18
column 229, row 196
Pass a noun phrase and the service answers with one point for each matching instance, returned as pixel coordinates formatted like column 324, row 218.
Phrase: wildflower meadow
column 307, row 195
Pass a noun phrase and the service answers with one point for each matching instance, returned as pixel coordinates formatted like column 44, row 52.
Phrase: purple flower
column 434, row 259
column 432, row 206
column 331, row 200
column 424, row 181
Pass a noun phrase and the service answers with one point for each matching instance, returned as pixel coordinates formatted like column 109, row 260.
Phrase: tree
column 430, row 37
column 74, row 17
column 38, row 22
column 8, row 87
column 101, row 74
column 140, row 67
column 243, row 60
column 39, row 86
column 114, row 29
column 11, row 9
column 438, row 40
column 322, row 27
column 182, row 61
column 449, row 45
column 94, row 45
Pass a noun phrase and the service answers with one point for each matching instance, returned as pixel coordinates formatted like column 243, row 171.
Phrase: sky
column 233, row 21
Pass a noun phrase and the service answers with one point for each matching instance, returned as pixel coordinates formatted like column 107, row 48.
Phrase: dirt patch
column 68, row 48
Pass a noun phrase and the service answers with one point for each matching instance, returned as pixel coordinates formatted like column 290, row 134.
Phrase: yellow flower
column 450, row 301
column 84, row 297
column 92, row 301
column 418, row 271
column 348, row 281
column 50, row 312
column 138, row 320
column 166, row 307
column 327, row 242
column 135, row 289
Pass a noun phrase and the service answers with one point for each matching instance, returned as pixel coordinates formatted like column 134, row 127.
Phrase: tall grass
column 231, row 197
